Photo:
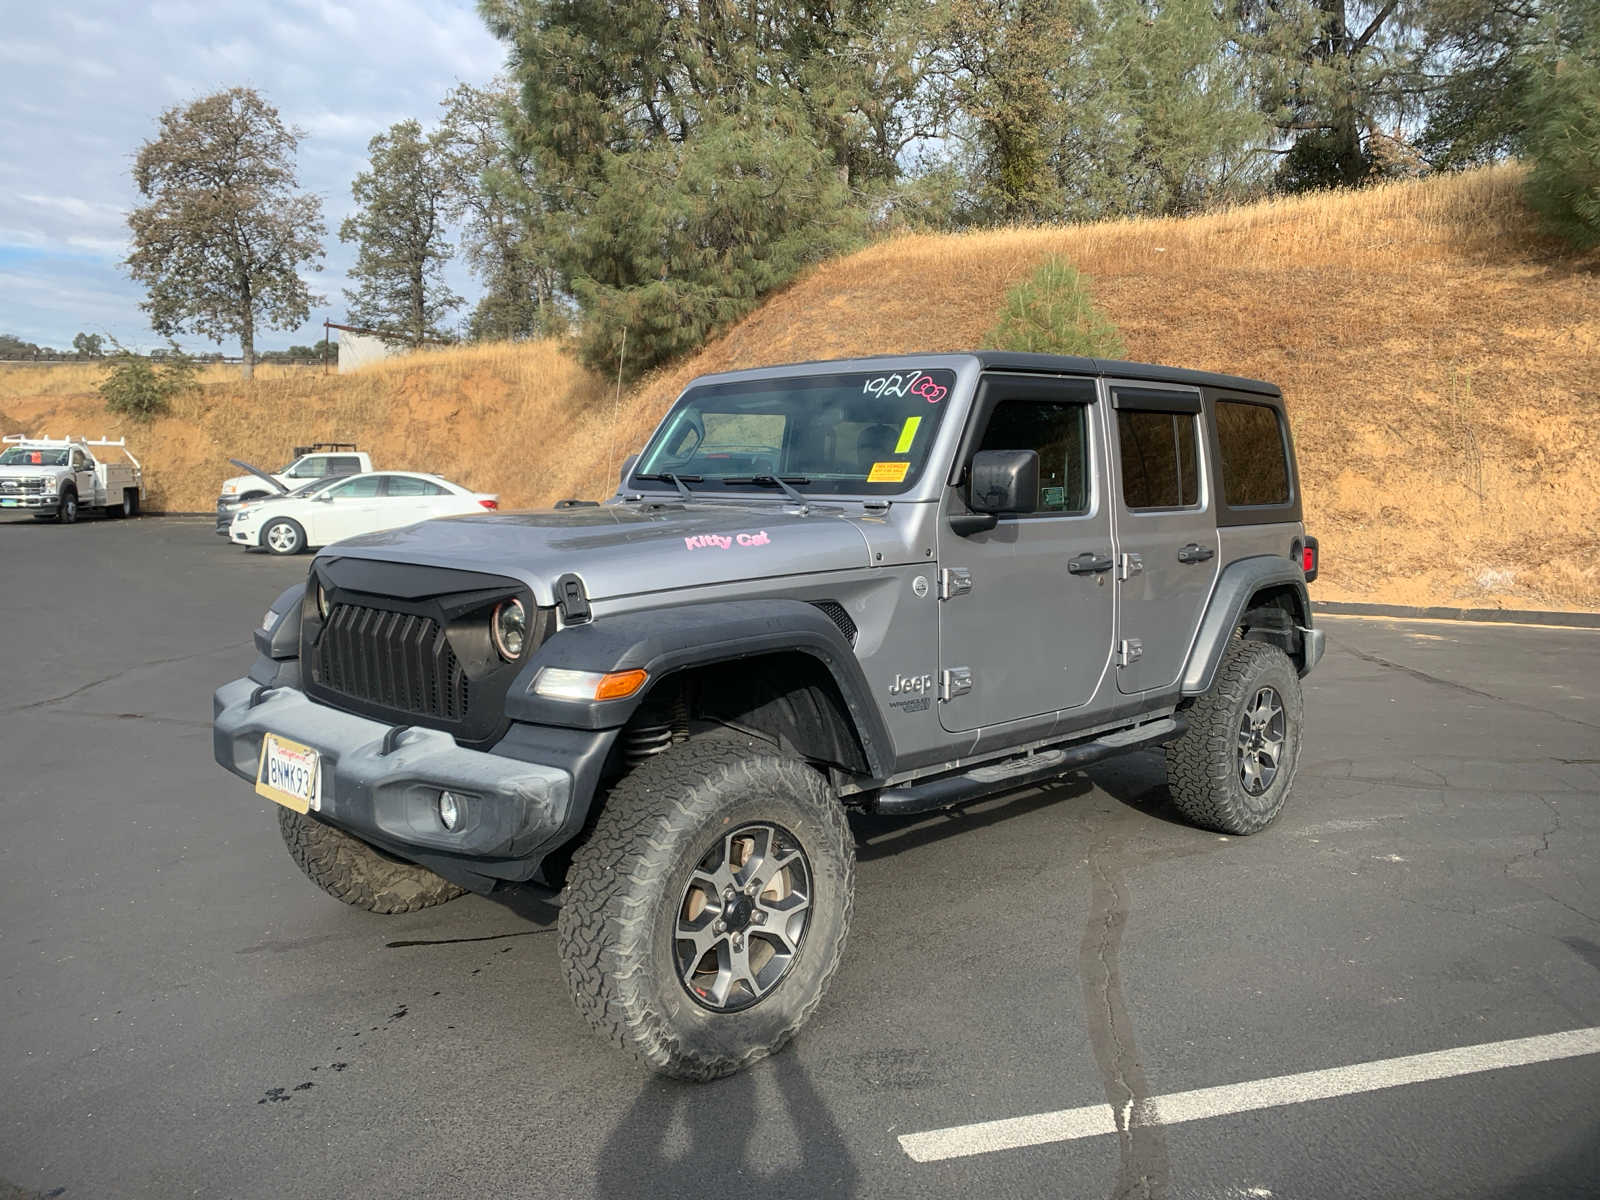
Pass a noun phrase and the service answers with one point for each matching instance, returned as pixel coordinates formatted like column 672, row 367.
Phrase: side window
column 360, row 488
column 340, row 464
column 1160, row 466
column 1059, row 433
column 79, row 463
column 308, row 468
column 1250, row 442
column 408, row 485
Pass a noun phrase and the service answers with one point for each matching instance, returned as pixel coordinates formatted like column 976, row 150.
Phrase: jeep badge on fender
column 665, row 705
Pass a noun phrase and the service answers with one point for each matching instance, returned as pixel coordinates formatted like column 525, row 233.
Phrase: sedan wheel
column 283, row 536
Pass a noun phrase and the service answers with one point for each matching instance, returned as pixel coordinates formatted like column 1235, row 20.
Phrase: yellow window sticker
column 888, row 472
column 908, row 434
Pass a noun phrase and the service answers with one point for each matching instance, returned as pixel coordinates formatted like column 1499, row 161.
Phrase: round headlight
column 322, row 602
column 510, row 628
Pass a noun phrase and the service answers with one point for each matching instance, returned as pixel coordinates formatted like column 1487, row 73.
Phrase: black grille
column 835, row 612
column 399, row 660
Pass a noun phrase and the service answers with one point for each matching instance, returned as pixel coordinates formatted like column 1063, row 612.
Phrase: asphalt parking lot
column 185, row 1014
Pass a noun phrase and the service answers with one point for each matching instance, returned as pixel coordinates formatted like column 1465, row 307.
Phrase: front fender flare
column 665, row 640
column 1236, row 586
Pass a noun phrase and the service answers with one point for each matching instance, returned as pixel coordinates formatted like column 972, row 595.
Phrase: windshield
column 32, row 456
column 864, row 433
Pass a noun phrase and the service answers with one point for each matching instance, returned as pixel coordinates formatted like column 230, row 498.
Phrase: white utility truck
column 57, row 478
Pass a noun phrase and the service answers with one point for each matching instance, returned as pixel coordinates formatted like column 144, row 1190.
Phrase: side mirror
column 324, row 497
column 1004, row 481
column 627, row 467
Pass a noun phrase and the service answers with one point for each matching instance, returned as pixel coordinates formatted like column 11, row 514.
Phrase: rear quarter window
column 1254, row 462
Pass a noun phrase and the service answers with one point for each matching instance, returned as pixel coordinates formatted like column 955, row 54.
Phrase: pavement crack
column 488, row 937
column 1379, row 661
column 1145, row 1169
column 90, row 686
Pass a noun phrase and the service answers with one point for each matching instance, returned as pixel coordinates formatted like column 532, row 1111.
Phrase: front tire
column 708, row 910
column 283, row 536
column 1232, row 769
column 350, row 870
column 67, row 510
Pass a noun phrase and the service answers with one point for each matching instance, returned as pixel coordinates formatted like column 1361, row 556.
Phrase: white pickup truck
column 60, row 477
column 310, row 462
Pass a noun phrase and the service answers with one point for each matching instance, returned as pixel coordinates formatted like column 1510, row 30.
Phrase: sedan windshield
column 862, row 433
column 32, row 456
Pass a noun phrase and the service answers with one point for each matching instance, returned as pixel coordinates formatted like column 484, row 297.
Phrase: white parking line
column 1092, row 1120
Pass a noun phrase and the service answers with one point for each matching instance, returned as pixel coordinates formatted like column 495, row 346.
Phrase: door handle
column 1089, row 563
column 1194, row 552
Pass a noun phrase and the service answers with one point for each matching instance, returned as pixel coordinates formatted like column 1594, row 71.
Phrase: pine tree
column 399, row 231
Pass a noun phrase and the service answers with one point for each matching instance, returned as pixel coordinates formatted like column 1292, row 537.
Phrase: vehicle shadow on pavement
column 685, row 1139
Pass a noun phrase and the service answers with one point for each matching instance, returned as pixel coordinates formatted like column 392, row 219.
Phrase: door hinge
column 1130, row 651
column 957, row 681
column 954, row 581
column 1129, row 566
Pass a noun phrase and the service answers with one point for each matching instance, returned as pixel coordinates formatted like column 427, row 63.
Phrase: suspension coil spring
column 645, row 741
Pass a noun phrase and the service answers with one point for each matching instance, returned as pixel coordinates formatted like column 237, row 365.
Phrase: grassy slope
column 1439, row 365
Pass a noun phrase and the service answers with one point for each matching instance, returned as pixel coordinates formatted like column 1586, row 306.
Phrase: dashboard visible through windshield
column 863, row 433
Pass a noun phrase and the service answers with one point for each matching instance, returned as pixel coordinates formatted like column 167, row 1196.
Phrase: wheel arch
column 778, row 668
column 1264, row 598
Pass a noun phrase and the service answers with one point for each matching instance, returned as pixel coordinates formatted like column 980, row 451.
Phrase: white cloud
column 80, row 90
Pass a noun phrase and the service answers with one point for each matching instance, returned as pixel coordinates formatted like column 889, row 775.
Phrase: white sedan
column 335, row 509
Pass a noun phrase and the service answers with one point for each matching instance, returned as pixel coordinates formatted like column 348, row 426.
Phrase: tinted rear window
column 1159, row 466
column 1255, row 468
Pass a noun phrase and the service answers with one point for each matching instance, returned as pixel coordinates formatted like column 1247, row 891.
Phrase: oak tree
column 224, row 232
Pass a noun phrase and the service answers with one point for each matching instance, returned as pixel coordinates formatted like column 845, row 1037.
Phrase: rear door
column 1023, row 628
column 1166, row 531
column 408, row 499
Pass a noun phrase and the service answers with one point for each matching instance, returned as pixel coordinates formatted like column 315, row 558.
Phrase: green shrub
column 1051, row 312
column 1564, row 142
column 136, row 387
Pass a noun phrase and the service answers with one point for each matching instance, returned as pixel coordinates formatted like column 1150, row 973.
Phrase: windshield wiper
column 777, row 481
column 680, row 482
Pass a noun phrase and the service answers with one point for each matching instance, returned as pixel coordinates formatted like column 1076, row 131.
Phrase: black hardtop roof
column 1053, row 364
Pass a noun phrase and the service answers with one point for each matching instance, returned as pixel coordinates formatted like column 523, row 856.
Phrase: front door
column 1166, row 531
column 351, row 508
column 1025, row 615
column 83, row 476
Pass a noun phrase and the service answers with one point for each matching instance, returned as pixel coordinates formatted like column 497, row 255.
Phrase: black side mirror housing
column 1004, row 481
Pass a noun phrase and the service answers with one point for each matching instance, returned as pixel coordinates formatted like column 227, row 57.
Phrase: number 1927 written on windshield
column 917, row 383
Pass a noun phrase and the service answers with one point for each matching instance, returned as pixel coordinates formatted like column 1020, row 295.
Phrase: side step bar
column 1026, row 769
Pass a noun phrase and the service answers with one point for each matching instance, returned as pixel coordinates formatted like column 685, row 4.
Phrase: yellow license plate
column 289, row 774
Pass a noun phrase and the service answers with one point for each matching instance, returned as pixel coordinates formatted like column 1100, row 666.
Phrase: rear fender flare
column 666, row 640
column 1238, row 584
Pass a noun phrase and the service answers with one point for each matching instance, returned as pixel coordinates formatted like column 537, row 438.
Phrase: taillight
column 1308, row 558
column 489, row 503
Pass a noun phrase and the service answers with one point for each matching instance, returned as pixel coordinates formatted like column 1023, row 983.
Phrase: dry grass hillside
column 1440, row 364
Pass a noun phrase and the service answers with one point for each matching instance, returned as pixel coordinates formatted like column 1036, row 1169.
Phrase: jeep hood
column 622, row 550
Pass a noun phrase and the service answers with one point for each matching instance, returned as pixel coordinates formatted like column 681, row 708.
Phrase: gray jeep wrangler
column 891, row 584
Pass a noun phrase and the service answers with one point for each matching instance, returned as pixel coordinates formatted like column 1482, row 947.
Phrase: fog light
column 449, row 811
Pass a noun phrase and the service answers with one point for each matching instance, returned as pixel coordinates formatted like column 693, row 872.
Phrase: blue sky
column 81, row 87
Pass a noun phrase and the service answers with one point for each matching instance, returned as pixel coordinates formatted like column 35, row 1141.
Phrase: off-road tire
column 627, row 882
column 296, row 547
column 67, row 510
column 1203, row 766
column 350, row 870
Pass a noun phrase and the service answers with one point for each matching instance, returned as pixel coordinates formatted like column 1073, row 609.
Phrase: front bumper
column 35, row 501
column 243, row 537
column 515, row 811
column 225, row 511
